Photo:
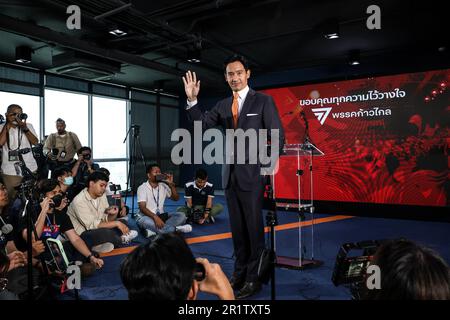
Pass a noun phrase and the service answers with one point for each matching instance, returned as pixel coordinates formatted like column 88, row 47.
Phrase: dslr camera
column 86, row 157
column 115, row 187
column 194, row 215
column 22, row 116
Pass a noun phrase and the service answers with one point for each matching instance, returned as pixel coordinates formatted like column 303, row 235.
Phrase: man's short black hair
column 234, row 58
column 84, row 149
column 151, row 166
column 12, row 106
column 201, row 174
column 161, row 269
column 97, row 176
column 60, row 120
column 60, row 171
column 47, row 185
column 410, row 272
column 104, row 170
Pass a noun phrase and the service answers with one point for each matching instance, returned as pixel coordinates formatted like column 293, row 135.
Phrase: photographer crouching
column 16, row 138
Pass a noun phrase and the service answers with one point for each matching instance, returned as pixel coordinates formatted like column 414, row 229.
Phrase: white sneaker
column 103, row 248
column 149, row 233
column 186, row 228
column 126, row 238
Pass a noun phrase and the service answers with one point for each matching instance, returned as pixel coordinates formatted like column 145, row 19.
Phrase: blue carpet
column 312, row 284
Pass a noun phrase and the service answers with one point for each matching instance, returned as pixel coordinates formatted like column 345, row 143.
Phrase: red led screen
column 385, row 139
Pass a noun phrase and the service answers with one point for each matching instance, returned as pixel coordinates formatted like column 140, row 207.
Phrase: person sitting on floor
column 165, row 269
column 91, row 213
column 151, row 196
column 199, row 195
column 64, row 177
column 410, row 272
column 53, row 222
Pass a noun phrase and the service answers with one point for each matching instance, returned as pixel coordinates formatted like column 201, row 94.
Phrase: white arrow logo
column 321, row 114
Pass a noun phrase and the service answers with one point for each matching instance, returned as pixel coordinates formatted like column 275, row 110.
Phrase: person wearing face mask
column 16, row 138
column 65, row 180
column 53, row 222
column 61, row 146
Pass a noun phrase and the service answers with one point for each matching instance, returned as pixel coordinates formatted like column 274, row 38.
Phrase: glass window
column 29, row 104
column 118, row 172
column 72, row 108
column 109, row 128
column 170, row 119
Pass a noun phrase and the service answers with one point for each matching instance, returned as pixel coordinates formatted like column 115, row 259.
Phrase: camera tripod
column 135, row 147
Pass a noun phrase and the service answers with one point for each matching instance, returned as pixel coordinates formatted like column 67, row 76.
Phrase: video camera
column 350, row 269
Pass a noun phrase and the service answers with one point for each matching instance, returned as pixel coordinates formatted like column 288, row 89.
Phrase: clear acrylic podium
column 297, row 151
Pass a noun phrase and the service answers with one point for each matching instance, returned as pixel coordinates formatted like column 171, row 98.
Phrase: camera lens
column 199, row 273
column 87, row 157
column 57, row 200
column 23, row 116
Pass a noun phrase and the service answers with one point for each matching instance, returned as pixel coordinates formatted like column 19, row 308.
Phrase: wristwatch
column 95, row 254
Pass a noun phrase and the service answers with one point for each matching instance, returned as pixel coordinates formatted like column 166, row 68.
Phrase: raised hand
column 191, row 85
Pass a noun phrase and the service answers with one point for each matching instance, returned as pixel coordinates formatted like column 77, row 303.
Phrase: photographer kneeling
column 199, row 195
column 53, row 222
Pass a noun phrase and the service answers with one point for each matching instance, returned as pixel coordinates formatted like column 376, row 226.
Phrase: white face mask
column 68, row 181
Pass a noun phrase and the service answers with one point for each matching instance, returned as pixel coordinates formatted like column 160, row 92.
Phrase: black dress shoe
column 237, row 283
column 249, row 289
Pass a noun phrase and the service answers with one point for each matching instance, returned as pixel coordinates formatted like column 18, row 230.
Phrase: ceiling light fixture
column 330, row 29
column 354, row 57
column 118, row 32
column 23, row 54
column 158, row 86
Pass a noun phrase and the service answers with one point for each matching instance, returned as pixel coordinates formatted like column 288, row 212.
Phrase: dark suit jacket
column 258, row 112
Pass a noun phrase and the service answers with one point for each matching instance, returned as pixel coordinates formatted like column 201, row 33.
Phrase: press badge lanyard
column 50, row 225
column 19, row 140
column 156, row 200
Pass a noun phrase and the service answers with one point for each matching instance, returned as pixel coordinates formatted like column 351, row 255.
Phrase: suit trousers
column 247, row 227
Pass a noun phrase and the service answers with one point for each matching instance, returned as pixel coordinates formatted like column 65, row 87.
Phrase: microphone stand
column 135, row 146
column 307, row 139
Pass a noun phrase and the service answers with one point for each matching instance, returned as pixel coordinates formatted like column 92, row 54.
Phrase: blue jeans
column 175, row 219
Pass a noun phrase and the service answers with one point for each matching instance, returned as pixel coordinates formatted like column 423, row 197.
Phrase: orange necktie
column 235, row 108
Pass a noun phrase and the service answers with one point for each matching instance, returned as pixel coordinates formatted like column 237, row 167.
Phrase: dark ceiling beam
column 49, row 36
column 180, row 6
column 113, row 12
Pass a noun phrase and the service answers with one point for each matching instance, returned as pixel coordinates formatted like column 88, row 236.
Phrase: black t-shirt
column 199, row 196
column 55, row 224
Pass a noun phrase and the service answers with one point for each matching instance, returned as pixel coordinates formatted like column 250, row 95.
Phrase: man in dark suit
column 243, row 183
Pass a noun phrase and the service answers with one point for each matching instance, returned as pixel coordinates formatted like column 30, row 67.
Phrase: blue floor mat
column 312, row 284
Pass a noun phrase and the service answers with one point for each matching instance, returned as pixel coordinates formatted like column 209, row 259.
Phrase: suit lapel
column 246, row 107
